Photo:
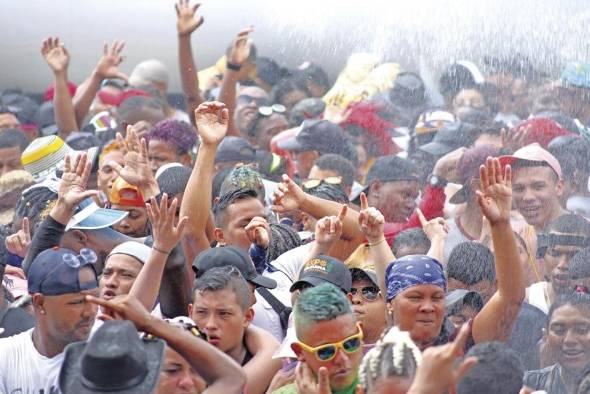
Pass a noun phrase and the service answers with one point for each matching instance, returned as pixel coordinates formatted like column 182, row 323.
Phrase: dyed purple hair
column 177, row 133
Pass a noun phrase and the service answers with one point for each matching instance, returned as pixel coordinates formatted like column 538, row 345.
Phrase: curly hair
column 177, row 133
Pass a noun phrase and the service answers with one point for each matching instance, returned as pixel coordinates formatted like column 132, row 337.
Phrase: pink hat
column 533, row 152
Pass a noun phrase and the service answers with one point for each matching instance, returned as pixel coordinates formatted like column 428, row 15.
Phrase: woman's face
column 177, row 376
column 420, row 310
column 568, row 337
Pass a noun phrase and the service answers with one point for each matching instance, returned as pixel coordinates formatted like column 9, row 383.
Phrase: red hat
column 543, row 130
column 117, row 99
column 50, row 92
column 533, row 152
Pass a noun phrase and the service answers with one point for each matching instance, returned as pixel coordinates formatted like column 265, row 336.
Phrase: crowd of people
column 281, row 231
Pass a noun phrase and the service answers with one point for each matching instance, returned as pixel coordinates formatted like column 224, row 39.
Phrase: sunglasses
column 245, row 99
column 328, row 351
column 269, row 110
column 369, row 293
column 331, row 180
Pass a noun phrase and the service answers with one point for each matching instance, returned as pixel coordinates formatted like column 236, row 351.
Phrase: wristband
column 160, row 250
column 378, row 242
column 234, row 67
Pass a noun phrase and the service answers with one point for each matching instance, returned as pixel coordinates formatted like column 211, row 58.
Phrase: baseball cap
column 230, row 255
column 367, row 269
column 134, row 249
column 389, row 169
column 235, row 149
column 319, row 135
column 456, row 299
column 468, row 169
column 575, row 74
column 408, row 90
column 56, row 271
column 21, row 105
column 449, row 138
column 533, row 152
column 433, row 120
column 47, row 154
column 322, row 269
column 90, row 216
column 45, row 119
column 124, row 193
column 148, row 72
column 309, row 108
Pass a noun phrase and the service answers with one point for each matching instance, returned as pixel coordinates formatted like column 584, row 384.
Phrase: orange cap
column 124, row 193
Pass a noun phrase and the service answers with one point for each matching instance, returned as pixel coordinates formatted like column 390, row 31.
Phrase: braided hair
column 282, row 239
column 393, row 355
column 35, row 204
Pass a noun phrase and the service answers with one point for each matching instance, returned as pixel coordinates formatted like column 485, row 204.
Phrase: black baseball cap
column 56, row 272
column 322, row 269
column 235, row 149
column 319, row 135
column 389, row 169
column 449, row 138
column 236, row 257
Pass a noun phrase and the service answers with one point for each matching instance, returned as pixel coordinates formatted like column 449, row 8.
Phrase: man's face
column 557, row 260
column 160, row 153
column 463, row 316
column 468, row 98
column 239, row 214
column 10, row 160
column 304, row 161
column 396, row 200
column 106, row 174
column 268, row 127
column 371, row 313
column 118, row 275
column 568, row 337
column 485, row 288
column 536, row 193
column 247, row 103
column 8, row 121
column 178, row 377
column 420, row 310
column 219, row 315
column 342, row 369
column 70, row 317
column 135, row 223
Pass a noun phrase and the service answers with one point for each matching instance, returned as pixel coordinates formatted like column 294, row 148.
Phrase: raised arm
column 107, row 67
column 494, row 322
column 187, row 23
column 212, row 121
column 327, row 232
column 166, row 235
column 371, row 223
column 57, row 57
column 436, row 230
column 239, row 53
column 222, row 374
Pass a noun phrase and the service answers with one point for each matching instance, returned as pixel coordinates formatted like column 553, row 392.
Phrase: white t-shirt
column 288, row 265
column 266, row 318
column 24, row 370
column 536, row 295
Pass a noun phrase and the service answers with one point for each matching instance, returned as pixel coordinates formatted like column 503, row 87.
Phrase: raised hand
column 20, row 242
column 258, row 231
column 124, row 307
column 435, row 228
column 187, row 23
column 108, row 64
column 371, row 221
column 438, row 371
column 288, row 196
column 166, row 234
column 55, row 54
column 72, row 188
column 241, row 47
column 137, row 170
column 495, row 197
column 515, row 139
column 212, row 120
column 329, row 229
column 446, row 166
column 306, row 382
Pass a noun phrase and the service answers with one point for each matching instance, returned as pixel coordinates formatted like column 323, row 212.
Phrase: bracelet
column 234, row 67
column 377, row 243
column 160, row 250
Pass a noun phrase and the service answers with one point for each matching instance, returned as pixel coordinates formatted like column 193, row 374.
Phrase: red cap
column 543, row 130
column 533, row 152
column 117, row 99
column 50, row 92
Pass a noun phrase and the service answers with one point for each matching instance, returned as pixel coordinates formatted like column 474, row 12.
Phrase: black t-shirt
column 248, row 356
column 526, row 334
column 548, row 379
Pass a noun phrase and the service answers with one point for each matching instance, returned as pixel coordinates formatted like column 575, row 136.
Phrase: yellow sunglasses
column 331, row 180
column 328, row 351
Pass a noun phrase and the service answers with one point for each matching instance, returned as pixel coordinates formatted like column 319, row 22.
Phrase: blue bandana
column 412, row 271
